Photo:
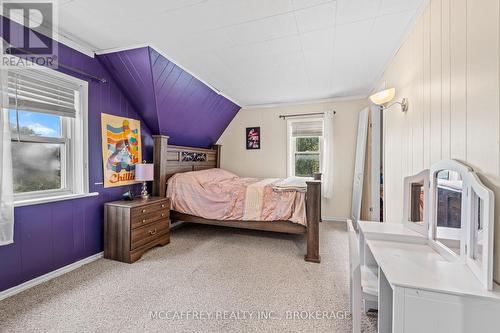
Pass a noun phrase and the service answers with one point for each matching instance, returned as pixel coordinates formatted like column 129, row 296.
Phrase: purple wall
column 50, row 236
column 172, row 101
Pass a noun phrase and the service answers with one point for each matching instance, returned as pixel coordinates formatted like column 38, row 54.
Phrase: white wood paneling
column 482, row 85
column 445, row 80
column 435, row 81
column 458, row 79
column 454, row 65
column 426, row 51
column 418, row 104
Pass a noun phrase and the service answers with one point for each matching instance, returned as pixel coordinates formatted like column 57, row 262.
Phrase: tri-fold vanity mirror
column 416, row 209
column 450, row 206
column 436, row 266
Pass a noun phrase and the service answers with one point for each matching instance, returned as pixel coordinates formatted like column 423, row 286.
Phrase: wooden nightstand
column 133, row 227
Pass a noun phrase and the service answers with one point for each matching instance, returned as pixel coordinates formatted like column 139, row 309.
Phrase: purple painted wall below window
column 50, row 236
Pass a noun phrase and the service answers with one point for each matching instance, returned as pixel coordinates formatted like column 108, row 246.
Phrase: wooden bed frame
column 169, row 160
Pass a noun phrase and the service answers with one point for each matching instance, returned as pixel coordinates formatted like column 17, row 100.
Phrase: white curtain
column 6, row 188
column 327, row 161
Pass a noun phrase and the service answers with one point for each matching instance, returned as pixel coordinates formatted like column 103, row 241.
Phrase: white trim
column 76, row 147
column 443, row 250
column 483, row 269
column 122, row 48
column 334, row 219
column 77, row 45
column 290, row 169
column 169, row 58
column 462, row 170
column 306, row 102
column 423, row 178
column 38, row 201
column 49, row 276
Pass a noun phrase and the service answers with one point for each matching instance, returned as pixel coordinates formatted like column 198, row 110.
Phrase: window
column 47, row 116
column 305, row 139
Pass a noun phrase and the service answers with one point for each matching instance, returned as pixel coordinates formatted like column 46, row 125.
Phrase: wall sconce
column 385, row 96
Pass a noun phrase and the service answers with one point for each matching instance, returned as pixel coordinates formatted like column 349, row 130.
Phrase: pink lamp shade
column 144, row 172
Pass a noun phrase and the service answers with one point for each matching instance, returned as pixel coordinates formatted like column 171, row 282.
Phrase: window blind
column 307, row 128
column 29, row 92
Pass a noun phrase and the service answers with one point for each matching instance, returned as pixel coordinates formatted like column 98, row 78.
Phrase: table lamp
column 144, row 172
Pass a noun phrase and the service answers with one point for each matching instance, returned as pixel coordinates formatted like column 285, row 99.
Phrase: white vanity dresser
column 435, row 270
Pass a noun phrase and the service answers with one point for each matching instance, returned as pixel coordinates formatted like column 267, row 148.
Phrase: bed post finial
column 313, row 215
column 160, row 165
column 217, row 149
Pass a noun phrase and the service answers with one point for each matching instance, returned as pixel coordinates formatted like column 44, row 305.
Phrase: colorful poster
column 121, row 149
column 253, row 137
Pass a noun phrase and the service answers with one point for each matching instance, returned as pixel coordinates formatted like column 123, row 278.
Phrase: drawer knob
column 162, row 214
column 144, row 221
column 152, row 232
column 143, row 210
column 163, row 206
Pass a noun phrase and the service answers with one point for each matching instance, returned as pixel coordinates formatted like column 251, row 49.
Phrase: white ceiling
column 255, row 51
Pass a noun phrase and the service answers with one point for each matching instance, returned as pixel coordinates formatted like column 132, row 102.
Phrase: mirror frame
column 463, row 170
column 483, row 271
column 421, row 177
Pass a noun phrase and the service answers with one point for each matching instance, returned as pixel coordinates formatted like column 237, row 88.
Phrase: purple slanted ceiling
column 132, row 72
column 171, row 101
column 50, row 236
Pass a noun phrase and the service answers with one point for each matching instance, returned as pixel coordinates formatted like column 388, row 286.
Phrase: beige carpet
column 233, row 280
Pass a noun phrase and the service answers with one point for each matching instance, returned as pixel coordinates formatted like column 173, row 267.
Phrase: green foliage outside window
column 307, row 156
column 36, row 166
column 307, row 144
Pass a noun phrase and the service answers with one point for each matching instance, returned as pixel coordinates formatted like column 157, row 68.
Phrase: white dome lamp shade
column 385, row 96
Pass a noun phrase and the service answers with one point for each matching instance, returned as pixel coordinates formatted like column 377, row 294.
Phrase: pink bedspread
column 221, row 195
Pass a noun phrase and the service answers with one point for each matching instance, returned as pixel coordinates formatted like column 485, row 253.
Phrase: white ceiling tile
column 122, row 10
column 264, row 29
column 349, row 11
column 388, row 30
column 351, row 36
column 318, row 40
column 317, row 17
column 255, row 51
column 225, row 13
column 394, row 6
column 274, row 47
column 298, row 4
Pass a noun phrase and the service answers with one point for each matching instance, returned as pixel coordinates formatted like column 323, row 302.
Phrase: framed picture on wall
column 121, row 149
column 253, row 137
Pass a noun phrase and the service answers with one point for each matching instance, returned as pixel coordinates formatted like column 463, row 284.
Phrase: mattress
column 218, row 194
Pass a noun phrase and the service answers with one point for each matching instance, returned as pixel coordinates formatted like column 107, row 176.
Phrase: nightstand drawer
column 147, row 209
column 133, row 227
column 148, row 233
column 146, row 218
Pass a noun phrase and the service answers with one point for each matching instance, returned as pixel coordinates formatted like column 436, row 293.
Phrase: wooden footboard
column 313, row 211
column 169, row 159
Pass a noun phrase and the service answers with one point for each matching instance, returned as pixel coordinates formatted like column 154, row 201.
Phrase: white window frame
column 76, row 136
column 291, row 146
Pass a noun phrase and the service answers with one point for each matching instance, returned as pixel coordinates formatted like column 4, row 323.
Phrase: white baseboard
column 49, row 276
column 334, row 219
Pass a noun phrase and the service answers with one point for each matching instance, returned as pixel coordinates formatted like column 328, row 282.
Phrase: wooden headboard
column 169, row 160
